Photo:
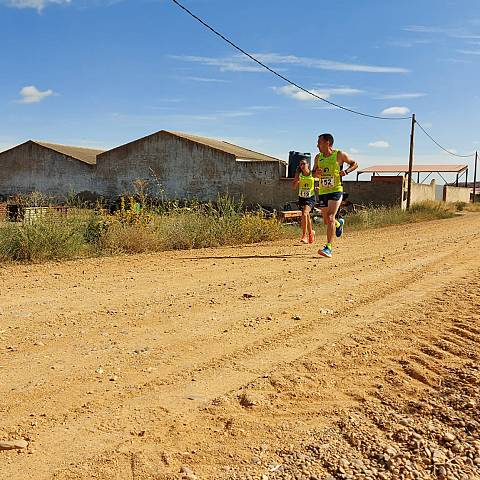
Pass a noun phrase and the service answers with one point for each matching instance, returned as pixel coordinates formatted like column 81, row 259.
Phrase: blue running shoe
column 339, row 229
column 325, row 252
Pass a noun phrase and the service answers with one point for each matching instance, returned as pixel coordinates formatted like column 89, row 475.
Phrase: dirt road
column 132, row 367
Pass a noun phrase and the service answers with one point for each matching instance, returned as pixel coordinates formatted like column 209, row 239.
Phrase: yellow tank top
column 329, row 170
column 306, row 186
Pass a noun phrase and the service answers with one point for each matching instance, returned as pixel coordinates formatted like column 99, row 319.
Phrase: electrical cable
column 271, row 70
column 440, row 146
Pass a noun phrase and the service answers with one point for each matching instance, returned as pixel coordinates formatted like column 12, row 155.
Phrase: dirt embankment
column 261, row 362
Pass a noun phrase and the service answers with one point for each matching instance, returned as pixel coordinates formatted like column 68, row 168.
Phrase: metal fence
column 29, row 215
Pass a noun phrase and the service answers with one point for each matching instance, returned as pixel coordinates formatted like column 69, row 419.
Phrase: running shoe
column 304, row 239
column 325, row 252
column 339, row 229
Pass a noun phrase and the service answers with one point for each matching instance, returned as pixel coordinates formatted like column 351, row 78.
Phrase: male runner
column 328, row 168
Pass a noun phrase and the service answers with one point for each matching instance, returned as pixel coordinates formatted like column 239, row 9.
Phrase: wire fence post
column 410, row 164
column 475, row 177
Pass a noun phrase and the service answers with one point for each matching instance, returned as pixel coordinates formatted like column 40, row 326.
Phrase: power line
column 440, row 146
column 271, row 70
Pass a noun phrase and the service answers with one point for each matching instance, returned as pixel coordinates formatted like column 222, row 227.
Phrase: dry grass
column 43, row 240
column 88, row 233
column 376, row 217
column 130, row 231
column 468, row 207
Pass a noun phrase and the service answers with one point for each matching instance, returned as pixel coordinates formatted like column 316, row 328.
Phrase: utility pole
column 475, row 177
column 410, row 164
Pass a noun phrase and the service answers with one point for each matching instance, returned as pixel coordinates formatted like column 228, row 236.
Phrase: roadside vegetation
column 137, row 227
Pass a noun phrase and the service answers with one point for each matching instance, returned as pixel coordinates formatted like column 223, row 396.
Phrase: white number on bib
column 304, row 194
column 327, row 182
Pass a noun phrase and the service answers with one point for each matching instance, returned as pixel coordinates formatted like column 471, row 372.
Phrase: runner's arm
column 344, row 158
column 315, row 172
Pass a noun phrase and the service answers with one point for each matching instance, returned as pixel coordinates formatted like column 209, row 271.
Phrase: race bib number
column 328, row 182
column 304, row 193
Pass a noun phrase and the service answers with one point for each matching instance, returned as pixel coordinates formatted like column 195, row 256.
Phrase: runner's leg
column 331, row 211
column 305, row 214
column 325, row 215
column 308, row 219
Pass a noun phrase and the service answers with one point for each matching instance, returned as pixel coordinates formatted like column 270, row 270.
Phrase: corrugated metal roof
column 443, row 168
column 241, row 154
column 86, row 155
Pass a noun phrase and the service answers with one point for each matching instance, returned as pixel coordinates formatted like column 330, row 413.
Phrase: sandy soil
column 221, row 359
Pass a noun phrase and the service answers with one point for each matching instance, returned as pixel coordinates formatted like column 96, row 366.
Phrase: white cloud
column 409, row 43
column 325, row 107
column 31, row 94
column 455, row 60
column 261, row 108
column 183, row 118
column 449, row 32
column 425, row 29
column 224, row 64
column 297, row 94
column 325, row 93
column 469, row 52
column 241, row 63
column 238, row 113
column 467, row 36
column 341, row 91
column 37, row 4
column 204, row 79
column 401, row 96
column 396, row 111
column 379, row 144
column 354, row 151
column 322, row 64
column 400, row 43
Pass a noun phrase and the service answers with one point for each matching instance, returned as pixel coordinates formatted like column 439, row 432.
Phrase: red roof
column 443, row 168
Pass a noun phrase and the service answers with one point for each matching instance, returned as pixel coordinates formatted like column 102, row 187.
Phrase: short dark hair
column 328, row 137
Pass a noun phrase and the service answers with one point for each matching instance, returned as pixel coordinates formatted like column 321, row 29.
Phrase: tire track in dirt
column 393, row 378
column 248, row 355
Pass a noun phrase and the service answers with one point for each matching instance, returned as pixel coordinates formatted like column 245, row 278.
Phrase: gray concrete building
column 54, row 170
column 179, row 165
column 173, row 164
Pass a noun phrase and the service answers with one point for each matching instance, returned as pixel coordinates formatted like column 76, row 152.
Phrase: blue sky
column 103, row 72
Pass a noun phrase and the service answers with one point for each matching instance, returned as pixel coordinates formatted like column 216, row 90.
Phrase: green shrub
column 42, row 240
column 224, row 222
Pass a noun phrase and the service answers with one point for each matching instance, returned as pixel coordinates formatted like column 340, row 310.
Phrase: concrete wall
column 30, row 167
column 456, row 194
column 282, row 193
column 388, row 191
column 179, row 168
column 383, row 191
column 421, row 193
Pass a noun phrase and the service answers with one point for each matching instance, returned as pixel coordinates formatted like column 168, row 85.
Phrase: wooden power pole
column 475, row 177
column 410, row 164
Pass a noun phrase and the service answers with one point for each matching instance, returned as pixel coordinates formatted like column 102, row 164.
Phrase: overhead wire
column 303, row 89
column 271, row 70
column 440, row 146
